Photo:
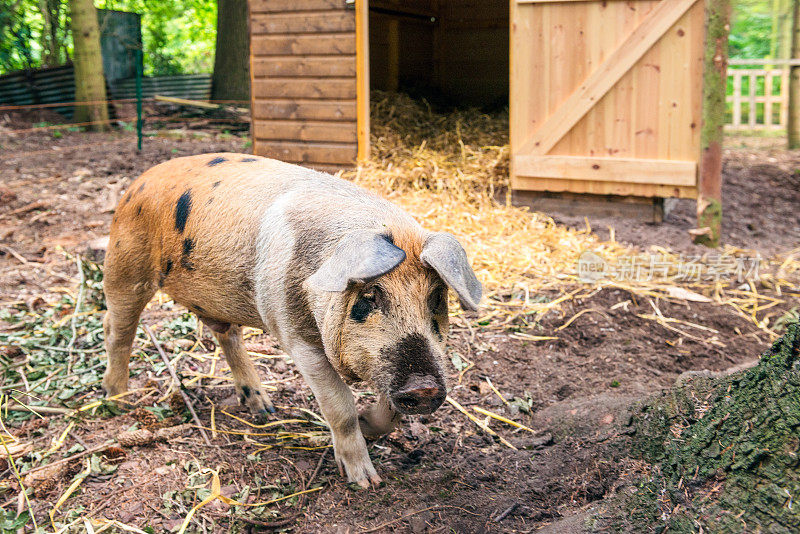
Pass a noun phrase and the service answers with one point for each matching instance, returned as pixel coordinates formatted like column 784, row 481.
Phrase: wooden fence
column 758, row 94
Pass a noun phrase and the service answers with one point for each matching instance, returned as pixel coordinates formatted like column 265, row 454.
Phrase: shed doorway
column 451, row 53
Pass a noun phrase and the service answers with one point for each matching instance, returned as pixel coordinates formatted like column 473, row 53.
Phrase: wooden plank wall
column 650, row 117
column 303, row 81
column 400, row 52
column 472, row 55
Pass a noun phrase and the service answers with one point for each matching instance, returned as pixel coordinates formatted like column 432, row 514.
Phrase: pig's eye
column 362, row 308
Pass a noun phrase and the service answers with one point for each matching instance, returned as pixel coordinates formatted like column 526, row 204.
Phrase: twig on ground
column 14, row 253
column 172, row 373
column 478, row 422
column 92, row 450
column 20, row 509
column 410, row 514
column 51, row 410
column 316, row 471
column 39, row 204
column 488, row 381
column 79, row 440
column 503, row 419
column 76, row 311
column 506, row 512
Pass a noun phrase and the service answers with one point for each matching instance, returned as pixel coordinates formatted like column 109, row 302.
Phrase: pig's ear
column 443, row 253
column 359, row 257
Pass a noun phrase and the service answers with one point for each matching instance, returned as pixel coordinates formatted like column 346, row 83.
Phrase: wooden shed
column 604, row 95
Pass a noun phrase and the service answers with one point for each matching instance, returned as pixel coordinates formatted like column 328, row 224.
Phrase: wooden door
column 605, row 96
column 303, row 64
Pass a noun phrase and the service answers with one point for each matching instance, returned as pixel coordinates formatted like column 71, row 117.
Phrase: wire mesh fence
column 158, row 115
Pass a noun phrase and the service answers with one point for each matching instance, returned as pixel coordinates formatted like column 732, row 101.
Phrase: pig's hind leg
column 245, row 376
column 125, row 302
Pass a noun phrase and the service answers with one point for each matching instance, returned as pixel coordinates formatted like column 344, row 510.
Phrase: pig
column 352, row 287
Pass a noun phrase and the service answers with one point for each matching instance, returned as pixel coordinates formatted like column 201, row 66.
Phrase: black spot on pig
column 138, row 211
column 199, row 308
column 188, row 246
column 246, row 391
column 116, row 243
column 216, row 184
column 216, row 161
column 210, row 200
column 141, row 188
column 182, row 210
column 248, row 160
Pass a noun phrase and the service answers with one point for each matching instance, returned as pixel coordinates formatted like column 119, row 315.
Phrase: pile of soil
column 27, row 118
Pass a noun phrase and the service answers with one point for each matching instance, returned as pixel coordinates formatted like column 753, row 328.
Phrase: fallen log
column 198, row 104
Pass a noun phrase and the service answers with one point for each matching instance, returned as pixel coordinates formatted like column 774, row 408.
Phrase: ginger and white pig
column 353, row 287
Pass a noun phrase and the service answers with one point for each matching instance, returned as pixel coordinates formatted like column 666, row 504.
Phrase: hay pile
column 451, row 172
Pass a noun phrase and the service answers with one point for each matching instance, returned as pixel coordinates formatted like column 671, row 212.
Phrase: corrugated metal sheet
column 39, row 86
column 56, row 85
column 193, row 86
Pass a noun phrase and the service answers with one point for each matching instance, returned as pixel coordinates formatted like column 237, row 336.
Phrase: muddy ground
column 442, row 474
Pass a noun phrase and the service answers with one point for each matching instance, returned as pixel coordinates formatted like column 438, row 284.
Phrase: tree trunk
column 715, row 63
column 737, row 434
column 52, row 39
column 49, row 47
column 90, row 85
column 793, row 127
column 231, row 79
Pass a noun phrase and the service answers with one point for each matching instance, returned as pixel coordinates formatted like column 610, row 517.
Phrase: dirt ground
column 442, row 474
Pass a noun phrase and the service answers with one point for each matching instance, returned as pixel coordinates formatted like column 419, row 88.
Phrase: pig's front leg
column 339, row 409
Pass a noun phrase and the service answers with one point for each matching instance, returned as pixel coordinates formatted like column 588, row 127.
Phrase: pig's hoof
column 364, row 474
column 372, row 482
column 114, row 387
column 256, row 400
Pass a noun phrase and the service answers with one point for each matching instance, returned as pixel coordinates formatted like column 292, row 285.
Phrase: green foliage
column 10, row 522
column 751, row 29
column 17, row 31
column 60, row 364
column 178, row 35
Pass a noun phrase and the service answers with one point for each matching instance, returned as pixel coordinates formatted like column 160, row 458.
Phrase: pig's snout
column 419, row 395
